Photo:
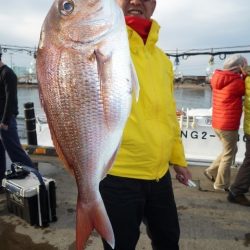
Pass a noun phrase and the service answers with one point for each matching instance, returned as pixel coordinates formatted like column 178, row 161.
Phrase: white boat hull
column 201, row 144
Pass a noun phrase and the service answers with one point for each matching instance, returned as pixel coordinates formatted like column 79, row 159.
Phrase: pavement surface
column 207, row 220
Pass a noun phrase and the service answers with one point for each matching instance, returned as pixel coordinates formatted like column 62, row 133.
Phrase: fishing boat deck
column 207, row 220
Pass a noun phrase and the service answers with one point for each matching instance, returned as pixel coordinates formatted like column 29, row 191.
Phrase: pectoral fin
column 104, row 67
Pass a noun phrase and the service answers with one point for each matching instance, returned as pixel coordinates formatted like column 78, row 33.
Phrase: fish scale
column 85, row 78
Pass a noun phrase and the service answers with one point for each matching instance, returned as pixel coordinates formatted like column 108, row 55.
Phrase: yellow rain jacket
column 247, row 106
column 151, row 139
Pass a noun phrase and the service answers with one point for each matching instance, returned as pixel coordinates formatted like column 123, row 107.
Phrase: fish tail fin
column 90, row 217
column 84, row 226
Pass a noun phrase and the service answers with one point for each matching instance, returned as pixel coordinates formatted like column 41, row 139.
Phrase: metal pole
column 30, row 120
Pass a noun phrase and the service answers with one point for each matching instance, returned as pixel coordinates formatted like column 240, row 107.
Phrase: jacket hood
column 223, row 78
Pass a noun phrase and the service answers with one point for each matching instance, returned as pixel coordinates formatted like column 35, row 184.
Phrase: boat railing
column 41, row 124
column 193, row 118
column 41, row 119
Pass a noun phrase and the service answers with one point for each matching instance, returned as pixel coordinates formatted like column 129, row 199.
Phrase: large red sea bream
column 85, row 74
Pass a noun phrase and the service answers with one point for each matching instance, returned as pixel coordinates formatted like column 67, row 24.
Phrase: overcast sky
column 185, row 25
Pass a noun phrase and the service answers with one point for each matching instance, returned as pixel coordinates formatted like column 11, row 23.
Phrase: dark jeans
column 10, row 142
column 131, row 201
column 242, row 181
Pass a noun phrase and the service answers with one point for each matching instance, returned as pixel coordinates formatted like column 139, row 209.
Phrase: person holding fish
column 138, row 186
column 9, row 140
column 91, row 96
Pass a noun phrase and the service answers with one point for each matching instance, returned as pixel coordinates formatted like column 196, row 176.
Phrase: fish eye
column 67, row 8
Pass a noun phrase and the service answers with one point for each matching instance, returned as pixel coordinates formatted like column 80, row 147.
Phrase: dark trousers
column 131, row 201
column 242, row 181
column 10, row 142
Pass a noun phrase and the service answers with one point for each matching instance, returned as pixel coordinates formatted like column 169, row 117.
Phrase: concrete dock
column 207, row 220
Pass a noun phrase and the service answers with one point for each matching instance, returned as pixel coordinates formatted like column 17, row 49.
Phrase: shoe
column 209, row 176
column 240, row 199
column 2, row 190
column 220, row 189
